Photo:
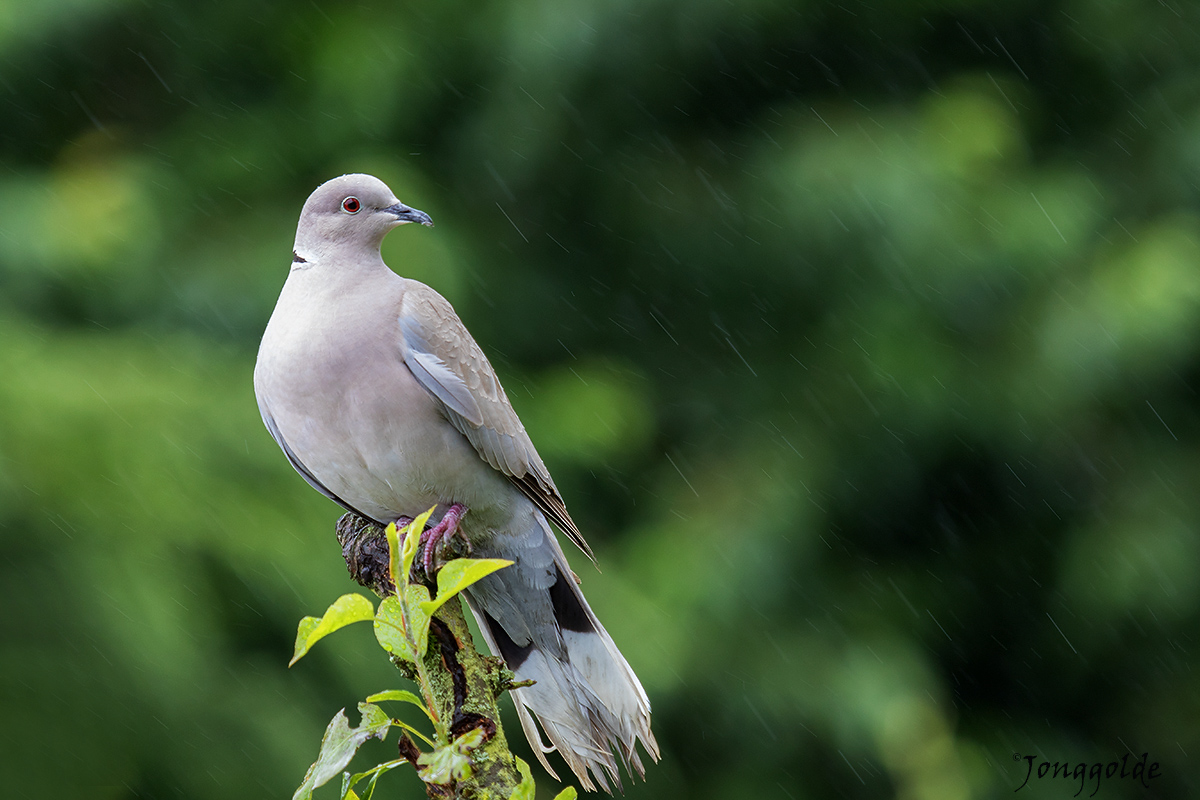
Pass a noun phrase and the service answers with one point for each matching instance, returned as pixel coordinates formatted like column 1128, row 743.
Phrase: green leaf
column 409, row 550
column 400, row 695
column 458, row 574
column 304, row 630
column 394, row 546
column 469, row 740
column 389, row 629
column 380, row 770
column 527, row 788
column 569, row 793
column 443, row 765
column 306, row 789
column 415, row 598
column 350, row 781
column 450, row 762
column 347, row 609
column 340, row 743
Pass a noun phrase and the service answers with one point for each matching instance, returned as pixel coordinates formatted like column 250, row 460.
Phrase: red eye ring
column 351, row 205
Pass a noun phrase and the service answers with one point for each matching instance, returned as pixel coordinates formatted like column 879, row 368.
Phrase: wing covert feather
column 447, row 361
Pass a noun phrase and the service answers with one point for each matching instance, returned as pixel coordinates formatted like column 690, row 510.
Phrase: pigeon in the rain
column 383, row 402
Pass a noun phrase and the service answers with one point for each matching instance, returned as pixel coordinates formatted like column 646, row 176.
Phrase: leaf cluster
column 401, row 623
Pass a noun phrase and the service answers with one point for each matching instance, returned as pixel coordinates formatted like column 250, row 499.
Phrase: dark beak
column 406, row 214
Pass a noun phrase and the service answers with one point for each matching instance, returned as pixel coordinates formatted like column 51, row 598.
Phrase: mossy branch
column 463, row 684
column 422, row 627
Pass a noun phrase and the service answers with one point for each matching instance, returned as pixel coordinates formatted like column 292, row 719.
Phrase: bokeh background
column 863, row 340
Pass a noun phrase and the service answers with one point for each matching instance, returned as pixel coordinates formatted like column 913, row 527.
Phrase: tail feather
column 586, row 697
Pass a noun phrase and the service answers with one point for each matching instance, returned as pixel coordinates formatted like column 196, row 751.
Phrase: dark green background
column 861, row 339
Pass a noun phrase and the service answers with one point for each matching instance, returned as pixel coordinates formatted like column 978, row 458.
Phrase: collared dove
column 383, row 402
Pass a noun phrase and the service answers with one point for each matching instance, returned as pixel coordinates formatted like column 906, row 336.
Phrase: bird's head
column 353, row 211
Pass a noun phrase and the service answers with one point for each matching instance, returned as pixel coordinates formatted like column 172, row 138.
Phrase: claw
column 440, row 534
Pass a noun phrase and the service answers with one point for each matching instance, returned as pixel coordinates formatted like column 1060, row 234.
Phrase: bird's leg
column 440, row 533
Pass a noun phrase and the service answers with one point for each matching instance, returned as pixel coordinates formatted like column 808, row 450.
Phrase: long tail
column 586, row 697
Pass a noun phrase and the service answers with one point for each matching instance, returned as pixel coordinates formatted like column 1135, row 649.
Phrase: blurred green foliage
column 862, row 340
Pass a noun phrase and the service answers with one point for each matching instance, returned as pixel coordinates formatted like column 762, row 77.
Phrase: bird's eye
column 351, row 205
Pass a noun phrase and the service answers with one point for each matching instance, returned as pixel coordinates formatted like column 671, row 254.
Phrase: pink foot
column 440, row 533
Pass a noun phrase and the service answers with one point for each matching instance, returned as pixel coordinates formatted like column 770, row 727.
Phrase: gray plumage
column 383, row 402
